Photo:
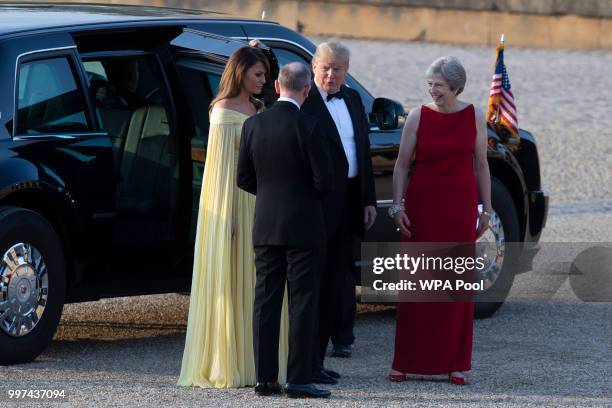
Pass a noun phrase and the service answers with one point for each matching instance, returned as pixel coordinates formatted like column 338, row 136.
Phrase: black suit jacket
column 314, row 105
column 283, row 160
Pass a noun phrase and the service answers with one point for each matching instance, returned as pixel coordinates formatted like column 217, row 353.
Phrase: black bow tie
column 338, row 95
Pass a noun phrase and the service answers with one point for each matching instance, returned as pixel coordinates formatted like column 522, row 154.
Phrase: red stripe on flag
column 509, row 119
column 504, row 121
column 508, row 103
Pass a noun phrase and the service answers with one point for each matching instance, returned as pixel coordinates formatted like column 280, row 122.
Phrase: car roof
column 23, row 17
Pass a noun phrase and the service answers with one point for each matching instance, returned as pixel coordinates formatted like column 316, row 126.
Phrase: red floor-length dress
column 441, row 204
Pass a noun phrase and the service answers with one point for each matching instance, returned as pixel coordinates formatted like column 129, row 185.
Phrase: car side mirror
column 386, row 113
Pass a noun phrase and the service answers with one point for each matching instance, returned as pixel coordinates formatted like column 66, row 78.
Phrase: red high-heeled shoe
column 398, row 377
column 457, row 380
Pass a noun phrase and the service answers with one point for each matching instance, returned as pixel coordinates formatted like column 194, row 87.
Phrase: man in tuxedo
column 282, row 160
column 351, row 208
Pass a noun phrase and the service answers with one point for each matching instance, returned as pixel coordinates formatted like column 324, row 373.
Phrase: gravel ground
column 533, row 352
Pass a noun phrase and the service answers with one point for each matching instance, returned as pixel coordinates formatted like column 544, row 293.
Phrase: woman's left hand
column 255, row 43
column 483, row 224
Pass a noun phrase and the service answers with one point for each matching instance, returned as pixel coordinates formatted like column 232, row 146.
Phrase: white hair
column 332, row 51
column 452, row 70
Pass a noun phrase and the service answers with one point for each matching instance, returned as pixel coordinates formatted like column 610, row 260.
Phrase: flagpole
column 501, row 46
column 501, row 42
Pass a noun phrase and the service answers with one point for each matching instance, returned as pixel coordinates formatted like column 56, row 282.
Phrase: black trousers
column 342, row 334
column 298, row 267
column 338, row 270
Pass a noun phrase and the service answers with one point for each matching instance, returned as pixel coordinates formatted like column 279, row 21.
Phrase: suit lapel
column 354, row 112
column 322, row 108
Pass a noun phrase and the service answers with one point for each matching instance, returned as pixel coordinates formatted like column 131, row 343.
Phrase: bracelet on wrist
column 396, row 208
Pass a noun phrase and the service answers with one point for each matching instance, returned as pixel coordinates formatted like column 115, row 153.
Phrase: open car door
column 200, row 59
column 199, row 45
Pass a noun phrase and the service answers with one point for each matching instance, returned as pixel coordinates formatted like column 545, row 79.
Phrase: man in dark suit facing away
column 282, row 160
column 351, row 208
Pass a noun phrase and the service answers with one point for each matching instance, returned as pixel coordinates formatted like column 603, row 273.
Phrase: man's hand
column 369, row 216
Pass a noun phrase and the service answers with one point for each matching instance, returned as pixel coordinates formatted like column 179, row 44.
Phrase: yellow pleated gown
column 219, row 343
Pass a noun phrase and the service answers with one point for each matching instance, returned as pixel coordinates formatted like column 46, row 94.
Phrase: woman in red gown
column 449, row 139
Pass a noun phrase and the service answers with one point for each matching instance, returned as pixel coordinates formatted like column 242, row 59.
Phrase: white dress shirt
column 286, row 99
column 342, row 118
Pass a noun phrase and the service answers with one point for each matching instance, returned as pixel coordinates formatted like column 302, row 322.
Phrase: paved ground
column 533, row 352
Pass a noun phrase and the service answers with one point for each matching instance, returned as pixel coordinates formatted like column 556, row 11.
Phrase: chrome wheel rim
column 491, row 246
column 24, row 289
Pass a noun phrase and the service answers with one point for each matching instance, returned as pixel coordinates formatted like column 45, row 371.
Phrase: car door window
column 200, row 84
column 49, row 98
column 285, row 56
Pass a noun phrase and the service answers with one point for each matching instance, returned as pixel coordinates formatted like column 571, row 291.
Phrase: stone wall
column 584, row 8
column 585, row 24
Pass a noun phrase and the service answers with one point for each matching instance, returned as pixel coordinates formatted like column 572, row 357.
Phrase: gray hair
column 294, row 76
column 332, row 51
column 452, row 70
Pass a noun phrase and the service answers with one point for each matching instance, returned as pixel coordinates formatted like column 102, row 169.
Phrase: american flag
column 501, row 100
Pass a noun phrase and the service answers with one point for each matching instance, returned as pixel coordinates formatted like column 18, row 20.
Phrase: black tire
column 19, row 225
column 503, row 205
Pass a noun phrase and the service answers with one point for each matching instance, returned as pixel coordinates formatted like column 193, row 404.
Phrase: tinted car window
column 49, row 98
column 214, row 81
column 285, row 56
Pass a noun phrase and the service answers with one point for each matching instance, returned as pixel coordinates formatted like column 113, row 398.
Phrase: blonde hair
column 235, row 70
column 332, row 51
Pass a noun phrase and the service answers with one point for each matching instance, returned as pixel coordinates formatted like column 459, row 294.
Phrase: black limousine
column 99, row 191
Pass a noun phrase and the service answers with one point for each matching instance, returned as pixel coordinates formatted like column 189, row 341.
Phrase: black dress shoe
column 321, row 377
column 268, row 388
column 342, row 351
column 331, row 373
column 306, row 391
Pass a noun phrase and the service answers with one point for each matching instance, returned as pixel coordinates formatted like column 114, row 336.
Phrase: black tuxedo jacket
column 315, row 106
column 283, row 160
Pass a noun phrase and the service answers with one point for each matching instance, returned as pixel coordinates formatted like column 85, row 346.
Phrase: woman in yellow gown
column 219, row 342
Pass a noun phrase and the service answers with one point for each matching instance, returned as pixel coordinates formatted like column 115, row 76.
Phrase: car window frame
column 202, row 65
column 68, row 52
